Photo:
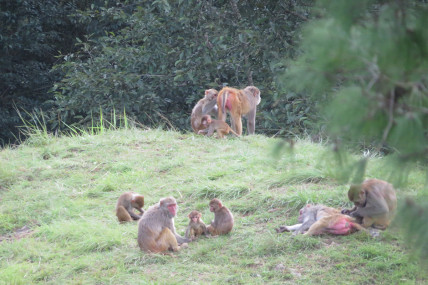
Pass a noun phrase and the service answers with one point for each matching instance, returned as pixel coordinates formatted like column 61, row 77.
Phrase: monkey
column 320, row 219
column 211, row 125
column 239, row 103
column 196, row 226
column 125, row 204
column 375, row 203
column 156, row 230
column 223, row 218
column 207, row 105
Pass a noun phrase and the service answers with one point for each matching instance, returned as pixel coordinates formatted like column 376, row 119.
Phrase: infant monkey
column 196, row 226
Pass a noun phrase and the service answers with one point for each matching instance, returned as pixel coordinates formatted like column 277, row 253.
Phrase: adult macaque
column 375, row 203
column 223, row 218
column 125, row 205
column 320, row 219
column 207, row 105
column 210, row 125
column 196, row 226
column 238, row 103
column 156, row 230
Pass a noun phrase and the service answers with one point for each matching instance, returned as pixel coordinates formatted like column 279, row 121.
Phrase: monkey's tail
column 233, row 132
column 223, row 103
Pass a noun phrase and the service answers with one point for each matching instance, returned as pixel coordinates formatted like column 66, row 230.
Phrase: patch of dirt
column 17, row 234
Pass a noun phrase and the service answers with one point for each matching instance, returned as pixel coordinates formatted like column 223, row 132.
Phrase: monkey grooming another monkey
column 156, row 230
column 207, row 105
column 196, row 226
column 223, row 218
column 125, row 204
column 375, row 203
column 320, row 219
column 211, row 125
column 238, row 103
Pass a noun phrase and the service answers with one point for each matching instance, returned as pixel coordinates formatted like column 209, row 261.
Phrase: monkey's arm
column 209, row 107
column 134, row 216
column 374, row 206
column 188, row 234
column 348, row 211
column 210, row 131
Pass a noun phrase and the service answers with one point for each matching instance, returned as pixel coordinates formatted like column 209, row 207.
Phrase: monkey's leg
column 318, row 227
column 251, row 122
column 166, row 240
column 367, row 222
column 238, row 124
column 212, row 230
column 123, row 215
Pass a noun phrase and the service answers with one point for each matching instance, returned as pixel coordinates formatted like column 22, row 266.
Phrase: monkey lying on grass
column 320, row 219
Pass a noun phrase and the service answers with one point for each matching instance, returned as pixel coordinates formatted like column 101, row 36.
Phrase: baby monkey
column 211, row 125
column 196, row 226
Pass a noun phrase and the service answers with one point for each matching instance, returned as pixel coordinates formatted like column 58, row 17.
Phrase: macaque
column 320, row 219
column 211, row 125
column 238, row 103
column 196, row 226
column 223, row 218
column 125, row 205
column 375, row 203
column 207, row 105
column 156, row 230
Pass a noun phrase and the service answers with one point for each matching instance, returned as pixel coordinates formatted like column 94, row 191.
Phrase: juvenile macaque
column 125, row 204
column 211, row 125
column 238, row 103
column 207, row 105
column 223, row 218
column 196, row 226
column 156, row 230
column 320, row 219
column 375, row 203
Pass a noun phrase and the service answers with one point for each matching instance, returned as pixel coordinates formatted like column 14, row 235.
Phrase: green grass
column 65, row 190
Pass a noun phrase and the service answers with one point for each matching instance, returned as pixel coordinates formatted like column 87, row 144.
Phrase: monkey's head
column 206, row 120
column 211, row 94
column 170, row 205
column 302, row 212
column 357, row 194
column 255, row 91
column 194, row 216
column 215, row 205
column 137, row 201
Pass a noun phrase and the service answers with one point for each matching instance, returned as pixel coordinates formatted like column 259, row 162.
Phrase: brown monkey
column 207, row 105
column 125, row 204
column 211, row 125
column 375, row 203
column 156, row 230
column 320, row 219
column 239, row 103
column 223, row 218
column 196, row 226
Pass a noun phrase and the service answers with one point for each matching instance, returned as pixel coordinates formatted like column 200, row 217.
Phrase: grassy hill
column 58, row 225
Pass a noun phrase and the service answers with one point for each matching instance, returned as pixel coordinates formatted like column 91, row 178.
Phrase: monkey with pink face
column 156, row 229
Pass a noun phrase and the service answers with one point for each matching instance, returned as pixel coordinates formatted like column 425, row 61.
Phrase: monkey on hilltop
column 211, row 125
column 239, row 103
column 207, row 105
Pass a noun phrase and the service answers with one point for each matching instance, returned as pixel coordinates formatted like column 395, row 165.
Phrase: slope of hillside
column 58, row 226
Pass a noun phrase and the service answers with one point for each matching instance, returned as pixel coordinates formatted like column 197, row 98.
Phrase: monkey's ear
column 308, row 205
column 206, row 92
